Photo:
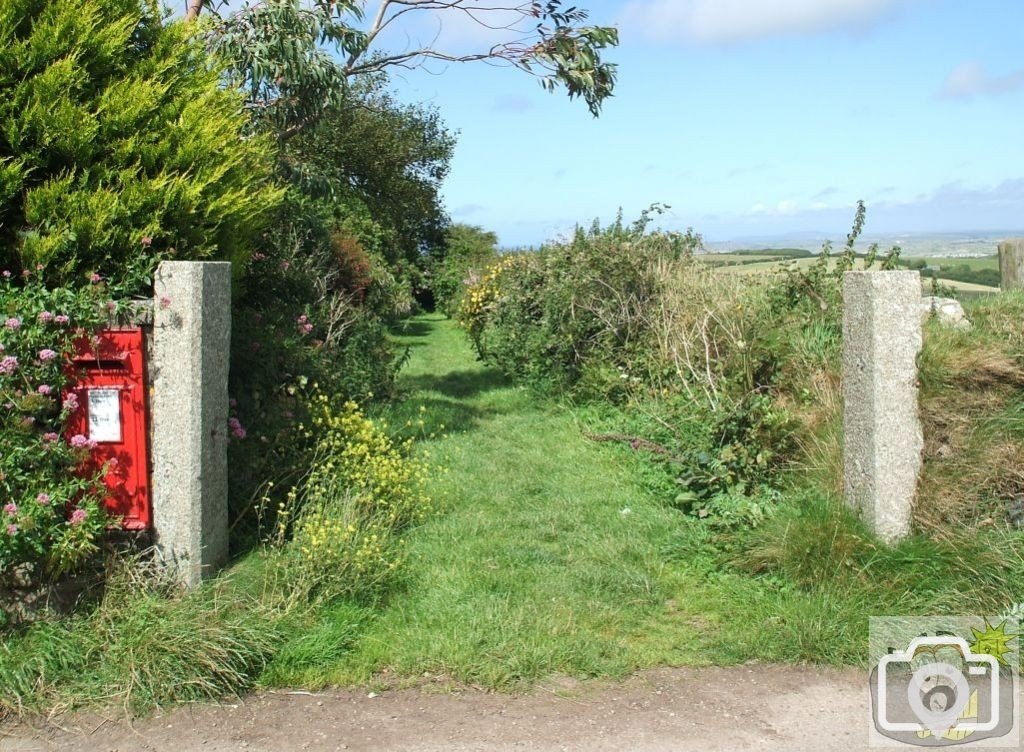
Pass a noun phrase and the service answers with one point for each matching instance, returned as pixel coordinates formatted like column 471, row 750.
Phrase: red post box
column 109, row 374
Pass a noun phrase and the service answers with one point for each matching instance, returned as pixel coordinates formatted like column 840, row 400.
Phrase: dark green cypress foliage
column 119, row 145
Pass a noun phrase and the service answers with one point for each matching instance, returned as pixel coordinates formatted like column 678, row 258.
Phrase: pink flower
column 95, row 278
column 165, row 302
column 47, row 354
column 50, row 437
column 8, row 365
column 70, row 402
column 12, row 529
column 78, row 441
column 236, row 428
column 146, row 241
column 45, row 317
column 44, row 389
column 11, row 508
column 111, row 306
column 7, row 273
column 61, row 319
column 13, row 323
column 233, row 402
column 78, row 516
column 43, row 499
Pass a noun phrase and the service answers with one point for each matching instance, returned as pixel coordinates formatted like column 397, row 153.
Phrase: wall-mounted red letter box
column 109, row 373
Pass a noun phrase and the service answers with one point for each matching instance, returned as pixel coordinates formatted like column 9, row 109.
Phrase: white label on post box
column 105, row 414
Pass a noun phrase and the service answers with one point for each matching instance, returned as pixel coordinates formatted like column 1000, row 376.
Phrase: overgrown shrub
column 303, row 315
column 467, row 253
column 148, row 643
column 574, row 314
column 51, row 515
column 119, row 146
column 339, row 527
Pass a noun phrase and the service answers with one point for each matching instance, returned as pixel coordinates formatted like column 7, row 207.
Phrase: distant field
column 981, row 262
column 730, row 259
column 947, row 268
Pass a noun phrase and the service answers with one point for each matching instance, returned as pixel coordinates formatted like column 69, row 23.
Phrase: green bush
column 467, row 253
column 146, row 644
column 119, row 146
column 312, row 307
column 574, row 313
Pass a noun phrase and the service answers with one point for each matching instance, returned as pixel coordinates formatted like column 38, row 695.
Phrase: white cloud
column 970, row 79
column 780, row 208
column 723, row 21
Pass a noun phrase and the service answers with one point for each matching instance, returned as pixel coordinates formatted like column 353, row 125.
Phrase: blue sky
column 749, row 118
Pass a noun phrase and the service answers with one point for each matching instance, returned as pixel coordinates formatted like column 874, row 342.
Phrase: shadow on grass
column 438, row 416
column 413, row 328
column 457, row 384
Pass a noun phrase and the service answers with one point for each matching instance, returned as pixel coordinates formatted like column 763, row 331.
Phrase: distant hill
column 780, row 252
column 912, row 244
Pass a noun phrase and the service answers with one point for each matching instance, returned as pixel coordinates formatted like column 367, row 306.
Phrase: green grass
column 552, row 556
column 549, row 557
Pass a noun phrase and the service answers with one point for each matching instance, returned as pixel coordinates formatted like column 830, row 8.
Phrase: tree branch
column 193, row 8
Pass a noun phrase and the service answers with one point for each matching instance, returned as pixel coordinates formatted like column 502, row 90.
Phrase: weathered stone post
column 882, row 438
column 191, row 338
column 1011, row 264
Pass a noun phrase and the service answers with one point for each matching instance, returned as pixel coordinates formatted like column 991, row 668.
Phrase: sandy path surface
column 741, row 708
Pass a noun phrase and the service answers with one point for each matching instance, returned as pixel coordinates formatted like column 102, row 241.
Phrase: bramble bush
column 574, row 315
column 51, row 514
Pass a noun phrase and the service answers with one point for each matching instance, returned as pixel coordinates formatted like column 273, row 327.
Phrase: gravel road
column 754, row 707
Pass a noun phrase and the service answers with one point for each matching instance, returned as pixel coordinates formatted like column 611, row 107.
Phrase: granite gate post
column 882, row 438
column 191, row 343
column 1011, row 264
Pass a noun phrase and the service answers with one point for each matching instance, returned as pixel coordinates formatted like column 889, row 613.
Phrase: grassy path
column 551, row 558
column 548, row 557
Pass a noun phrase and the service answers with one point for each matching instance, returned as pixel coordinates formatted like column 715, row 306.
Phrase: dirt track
column 741, row 708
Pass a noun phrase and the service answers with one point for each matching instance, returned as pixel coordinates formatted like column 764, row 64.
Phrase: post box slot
column 101, row 365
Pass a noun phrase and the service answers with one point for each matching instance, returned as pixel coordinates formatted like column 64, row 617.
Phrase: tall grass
column 145, row 645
